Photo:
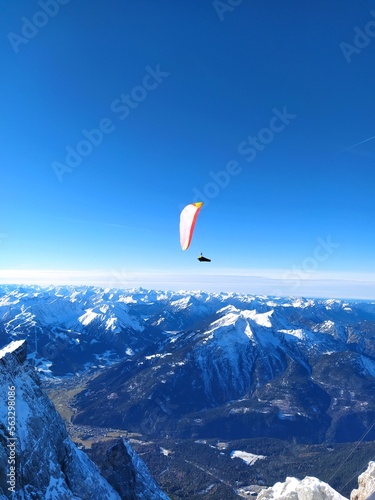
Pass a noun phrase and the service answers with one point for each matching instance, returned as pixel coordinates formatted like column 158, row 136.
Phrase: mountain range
column 204, row 366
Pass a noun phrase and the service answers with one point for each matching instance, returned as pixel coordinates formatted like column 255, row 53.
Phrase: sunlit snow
column 13, row 346
column 88, row 317
column 249, row 458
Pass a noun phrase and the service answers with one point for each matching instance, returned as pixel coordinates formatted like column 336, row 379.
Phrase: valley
column 204, row 468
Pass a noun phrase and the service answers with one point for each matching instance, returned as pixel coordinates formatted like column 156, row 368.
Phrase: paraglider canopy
column 188, row 218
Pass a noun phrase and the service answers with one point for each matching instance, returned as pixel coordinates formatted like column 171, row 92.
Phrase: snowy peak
column 230, row 315
column 67, row 307
column 240, row 327
column 113, row 317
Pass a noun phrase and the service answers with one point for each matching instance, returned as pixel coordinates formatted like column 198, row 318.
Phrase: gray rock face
column 37, row 458
column 366, row 485
column 125, row 471
column 116, row 466
column 146, row 488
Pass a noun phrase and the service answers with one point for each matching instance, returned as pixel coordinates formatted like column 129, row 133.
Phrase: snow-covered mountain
column 287, row 364
column 37, row 458
column 273, row 367
column 70, row 329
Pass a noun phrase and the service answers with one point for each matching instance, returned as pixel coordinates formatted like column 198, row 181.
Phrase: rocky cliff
column 366, row 485
column 37, row 458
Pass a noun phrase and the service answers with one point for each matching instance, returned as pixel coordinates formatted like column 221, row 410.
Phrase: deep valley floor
column 216, row 469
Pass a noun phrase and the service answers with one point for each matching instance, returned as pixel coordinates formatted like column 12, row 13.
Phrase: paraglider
column 188, row 219
column 203, row 259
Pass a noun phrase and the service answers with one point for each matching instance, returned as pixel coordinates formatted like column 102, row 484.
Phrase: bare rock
column 366, row 485
column 309, row 488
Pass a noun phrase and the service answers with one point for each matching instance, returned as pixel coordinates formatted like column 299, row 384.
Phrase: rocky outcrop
column 125, row 471
column 115, row 465
column 313, row 489
column 366, row 485
column 309, row 488
column 14, row 353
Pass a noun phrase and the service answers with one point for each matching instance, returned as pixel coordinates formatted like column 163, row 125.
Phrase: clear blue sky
column 180, row 89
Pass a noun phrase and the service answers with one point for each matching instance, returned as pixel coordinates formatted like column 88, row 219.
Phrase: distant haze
column 277, row 283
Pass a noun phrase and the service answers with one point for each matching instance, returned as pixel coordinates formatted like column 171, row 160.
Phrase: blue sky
column 166, row 102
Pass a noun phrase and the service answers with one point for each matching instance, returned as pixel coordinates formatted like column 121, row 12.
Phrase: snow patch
column 166, row 452
column 12, row 347
column 368, row 365
column 249, row 458
column 261, row 319
column 298, row 333
column 88, row 317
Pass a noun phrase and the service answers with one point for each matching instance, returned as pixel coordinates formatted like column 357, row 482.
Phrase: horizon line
column 356, row 286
